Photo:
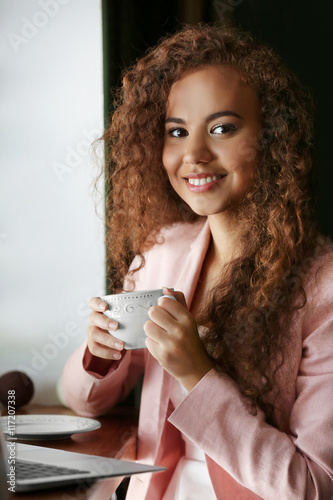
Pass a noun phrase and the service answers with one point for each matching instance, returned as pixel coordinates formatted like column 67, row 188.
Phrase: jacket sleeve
column 273, row 464
column 88, row 392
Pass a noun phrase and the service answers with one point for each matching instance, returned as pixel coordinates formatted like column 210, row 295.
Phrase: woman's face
column 212, row 123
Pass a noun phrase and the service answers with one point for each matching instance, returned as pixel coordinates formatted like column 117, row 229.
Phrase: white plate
column 41, row 427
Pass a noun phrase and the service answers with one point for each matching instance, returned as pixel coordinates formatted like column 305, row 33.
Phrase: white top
column 190, row 480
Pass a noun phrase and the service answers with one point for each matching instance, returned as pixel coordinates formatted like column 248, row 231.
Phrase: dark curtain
column 299, row 30
column 130, row 27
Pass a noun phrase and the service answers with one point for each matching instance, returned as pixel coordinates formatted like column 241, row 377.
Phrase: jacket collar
column 189, row 274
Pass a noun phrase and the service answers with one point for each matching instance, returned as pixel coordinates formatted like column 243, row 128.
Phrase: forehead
column 210, row 89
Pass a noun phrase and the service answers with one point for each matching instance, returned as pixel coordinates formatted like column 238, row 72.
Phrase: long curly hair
column 249, row 311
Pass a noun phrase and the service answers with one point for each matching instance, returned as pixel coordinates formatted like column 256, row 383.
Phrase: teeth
column 202, row 181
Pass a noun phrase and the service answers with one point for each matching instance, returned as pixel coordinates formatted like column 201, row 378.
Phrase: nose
column 197, row 150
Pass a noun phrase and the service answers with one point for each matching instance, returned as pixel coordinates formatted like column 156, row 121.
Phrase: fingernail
column 113, row 326
column 102, row 306
column 116, row 355
column 118, row 345
column 166, row 290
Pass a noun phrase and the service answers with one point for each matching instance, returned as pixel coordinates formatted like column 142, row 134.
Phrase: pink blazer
column 247, row 459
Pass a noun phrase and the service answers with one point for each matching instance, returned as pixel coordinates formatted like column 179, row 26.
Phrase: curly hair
column 248, row 311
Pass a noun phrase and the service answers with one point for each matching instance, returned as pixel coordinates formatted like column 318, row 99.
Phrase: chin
column 205, row 212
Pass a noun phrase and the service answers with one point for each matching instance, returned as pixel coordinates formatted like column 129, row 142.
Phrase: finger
column 101, row 341
column 154, row 332
column 173, row 317
column 98, row 336
column 163, row 317
column 103, row 352
column 174, row 308
column 102, row 321
column 152, row 347
column 179, row 296
column 97, row 304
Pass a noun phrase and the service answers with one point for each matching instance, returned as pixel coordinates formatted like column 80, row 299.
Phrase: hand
column 173, row 339
column 100, row 342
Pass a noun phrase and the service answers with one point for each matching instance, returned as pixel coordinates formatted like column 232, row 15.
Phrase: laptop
column 25, row 467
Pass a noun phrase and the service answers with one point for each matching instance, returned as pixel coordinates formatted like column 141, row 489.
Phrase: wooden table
column 116, row 438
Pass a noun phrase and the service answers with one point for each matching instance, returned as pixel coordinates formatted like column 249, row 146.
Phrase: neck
column 225, row 243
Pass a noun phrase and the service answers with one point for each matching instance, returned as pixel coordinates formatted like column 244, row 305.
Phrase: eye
column 177, row 132
column 222, row 129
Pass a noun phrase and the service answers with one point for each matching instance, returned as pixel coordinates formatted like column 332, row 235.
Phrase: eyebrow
column 209, row 118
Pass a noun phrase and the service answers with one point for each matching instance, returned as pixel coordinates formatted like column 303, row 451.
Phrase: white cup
column 130, row 310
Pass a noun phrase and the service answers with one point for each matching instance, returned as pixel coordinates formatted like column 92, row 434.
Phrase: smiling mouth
column 195, row 181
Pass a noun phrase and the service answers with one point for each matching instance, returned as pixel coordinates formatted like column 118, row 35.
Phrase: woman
column 212, row 145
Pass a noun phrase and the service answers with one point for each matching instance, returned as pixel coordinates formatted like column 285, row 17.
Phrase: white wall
column 51, row 240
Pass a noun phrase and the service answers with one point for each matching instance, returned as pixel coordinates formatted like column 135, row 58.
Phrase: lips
column 195, row 181
column 202, row 182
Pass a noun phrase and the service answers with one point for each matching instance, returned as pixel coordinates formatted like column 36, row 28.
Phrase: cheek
column 248, row 177
column 243, row 174
column 247, row 148
column 170, row 159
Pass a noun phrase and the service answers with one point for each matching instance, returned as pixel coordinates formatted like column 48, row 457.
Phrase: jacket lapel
column 154, row 404
column 157, row 383
column 189, row 274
